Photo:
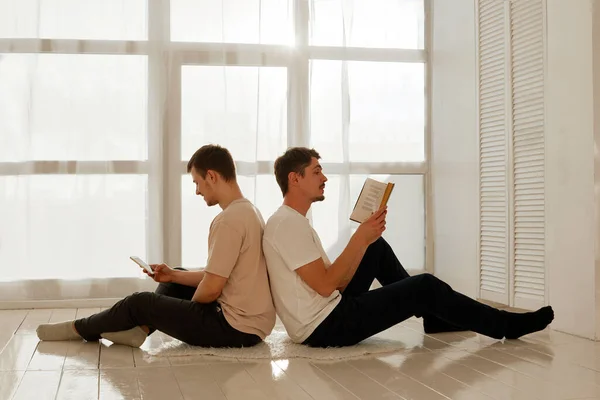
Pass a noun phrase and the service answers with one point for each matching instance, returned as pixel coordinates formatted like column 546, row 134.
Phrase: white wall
column 572, row 164
column 570, row 201
column 454, row 158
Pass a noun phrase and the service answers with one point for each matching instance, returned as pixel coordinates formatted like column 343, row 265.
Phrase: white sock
column 58, row 331
column 133, row 337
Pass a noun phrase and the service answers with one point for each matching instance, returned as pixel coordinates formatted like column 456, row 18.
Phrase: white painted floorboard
column 546, row 365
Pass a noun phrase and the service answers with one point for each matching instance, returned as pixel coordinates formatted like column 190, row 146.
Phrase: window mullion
column 158, row 36
column 298, row 80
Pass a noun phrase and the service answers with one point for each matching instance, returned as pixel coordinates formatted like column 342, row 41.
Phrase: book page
column 369, row 200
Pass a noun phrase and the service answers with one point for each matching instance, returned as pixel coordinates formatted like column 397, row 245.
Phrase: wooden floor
column 545, row 365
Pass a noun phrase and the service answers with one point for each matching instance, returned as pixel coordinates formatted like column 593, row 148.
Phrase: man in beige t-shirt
column 235, row 253
column 228, row 304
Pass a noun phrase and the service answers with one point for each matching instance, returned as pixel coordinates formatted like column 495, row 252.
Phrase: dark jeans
column 362, row 312
column 169, row 310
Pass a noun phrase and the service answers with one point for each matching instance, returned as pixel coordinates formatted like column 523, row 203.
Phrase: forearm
column 354, row 266
column 188, row 278
column 205, row 294
column 342, row 270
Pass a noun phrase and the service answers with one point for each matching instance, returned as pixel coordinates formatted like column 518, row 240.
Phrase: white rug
column 278, row 346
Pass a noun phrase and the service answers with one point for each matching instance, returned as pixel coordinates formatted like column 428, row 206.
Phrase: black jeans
column 169, row 310
column 362, row 313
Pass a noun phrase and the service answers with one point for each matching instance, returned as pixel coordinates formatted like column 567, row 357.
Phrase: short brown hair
column 295, row 159
column 213, row 157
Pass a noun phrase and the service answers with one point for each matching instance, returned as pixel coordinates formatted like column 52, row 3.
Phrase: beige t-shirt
column 235, row 252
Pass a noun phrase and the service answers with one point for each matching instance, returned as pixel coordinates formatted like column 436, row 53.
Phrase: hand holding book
column 373, row 196
column 372, row 228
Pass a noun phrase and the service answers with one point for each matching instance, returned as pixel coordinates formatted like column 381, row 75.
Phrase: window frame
column 164, row 166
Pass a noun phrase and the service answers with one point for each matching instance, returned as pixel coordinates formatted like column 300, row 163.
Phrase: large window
column 103, row 102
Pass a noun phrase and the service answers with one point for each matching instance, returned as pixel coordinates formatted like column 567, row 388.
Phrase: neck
column 298, row 204
column 230, row 193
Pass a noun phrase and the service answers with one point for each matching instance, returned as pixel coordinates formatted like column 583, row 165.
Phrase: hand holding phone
column 142, row 264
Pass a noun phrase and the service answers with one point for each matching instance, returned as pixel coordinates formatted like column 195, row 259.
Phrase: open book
column 372, row 197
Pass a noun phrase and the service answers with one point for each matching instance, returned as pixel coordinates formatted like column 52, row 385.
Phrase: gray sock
column 58, row 331
column 133, row 337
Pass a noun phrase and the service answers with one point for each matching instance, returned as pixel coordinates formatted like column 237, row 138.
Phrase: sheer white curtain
column 370, row 113
column 85, row 108
column 102, row 104
column 245, row 110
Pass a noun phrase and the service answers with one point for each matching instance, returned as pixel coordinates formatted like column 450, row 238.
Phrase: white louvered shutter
column 527, row 38
column 493, row 131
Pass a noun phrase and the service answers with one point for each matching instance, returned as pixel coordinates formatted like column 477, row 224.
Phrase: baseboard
column 100, row 302
column 575, row 335
column 71, row 303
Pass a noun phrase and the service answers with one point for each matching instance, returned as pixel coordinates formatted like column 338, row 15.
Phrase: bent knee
column 428, row 280
column 433, row 284
column 380, row 244
column 139, row 297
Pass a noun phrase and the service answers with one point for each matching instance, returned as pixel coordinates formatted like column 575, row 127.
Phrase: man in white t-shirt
column 326, row 304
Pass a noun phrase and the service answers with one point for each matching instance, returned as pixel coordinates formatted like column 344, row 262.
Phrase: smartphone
column 142, row 264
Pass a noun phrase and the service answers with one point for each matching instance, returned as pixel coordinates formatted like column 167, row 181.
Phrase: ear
column 292, row 178
column 211, row 176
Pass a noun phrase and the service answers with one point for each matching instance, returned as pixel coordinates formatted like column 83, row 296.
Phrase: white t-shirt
column 289, row 242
